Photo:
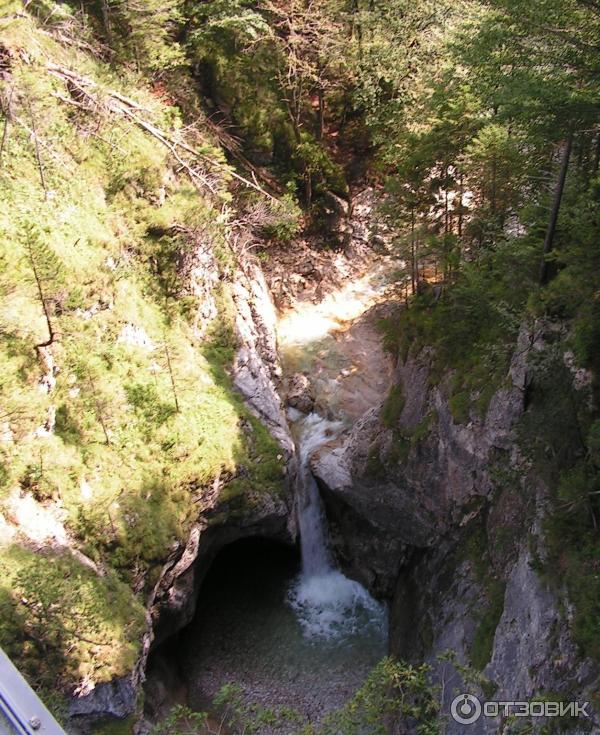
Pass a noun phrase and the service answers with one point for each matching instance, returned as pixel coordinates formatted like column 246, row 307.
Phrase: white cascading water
column 327, row 603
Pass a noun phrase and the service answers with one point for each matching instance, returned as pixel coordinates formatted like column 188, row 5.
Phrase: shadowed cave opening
column 245, row 632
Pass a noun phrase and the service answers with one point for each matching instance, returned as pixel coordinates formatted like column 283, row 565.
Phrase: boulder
column 300, row 394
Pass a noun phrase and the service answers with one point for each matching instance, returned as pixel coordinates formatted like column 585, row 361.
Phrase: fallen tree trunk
column 79, row 88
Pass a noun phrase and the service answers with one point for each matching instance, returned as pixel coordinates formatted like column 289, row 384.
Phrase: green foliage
column 593, row 442
column 283, row 222
column 232, row 41
column 142, row 34
column 245, row 716
column 472, row 327
column 394, row 691
column 314, row 161
column 463, row 105
column 181, row 720
column 52, row 604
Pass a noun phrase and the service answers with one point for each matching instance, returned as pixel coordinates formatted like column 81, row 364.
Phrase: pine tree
column 47, row 274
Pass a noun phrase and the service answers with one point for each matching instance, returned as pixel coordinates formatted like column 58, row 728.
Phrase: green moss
column 460, row 407
column 375, row 466
column 113, row 726
column 482, row 402
column 474, row 548
column 489, row 688
column 483, row 641
column 52, row 604
column 423, row 428
column 399, row 449
column 392, row 407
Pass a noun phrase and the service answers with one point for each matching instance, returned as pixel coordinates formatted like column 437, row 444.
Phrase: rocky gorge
column 440, row 518
column 300, row 365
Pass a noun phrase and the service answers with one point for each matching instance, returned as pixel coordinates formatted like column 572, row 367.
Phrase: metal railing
column 21, row 711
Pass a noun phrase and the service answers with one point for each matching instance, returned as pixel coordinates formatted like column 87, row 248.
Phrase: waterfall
column 316, row 557
column 327, row 603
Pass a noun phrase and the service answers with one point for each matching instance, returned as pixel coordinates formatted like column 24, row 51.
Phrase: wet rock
column 532, row 651
column 299, row 393
column 373, row 525
column 414, row 492
column 379, row 244
column 403, row 510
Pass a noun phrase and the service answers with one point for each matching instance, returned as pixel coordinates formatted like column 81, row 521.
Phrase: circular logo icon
column 465, row 709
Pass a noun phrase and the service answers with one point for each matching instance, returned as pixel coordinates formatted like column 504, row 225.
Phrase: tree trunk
column 321, row 118
column 38, row 156
column 7, row 121
column 494, row 192
column 171, row 376
column 413, row 252
column 356, row 27
column 596, row 163
column 105, row 13
column 42, row 298
column 558, row 195
column 98, row 406
column 460, row 206
column 446, row 207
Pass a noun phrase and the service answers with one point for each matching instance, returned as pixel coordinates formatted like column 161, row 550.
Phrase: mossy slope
column 121, row 437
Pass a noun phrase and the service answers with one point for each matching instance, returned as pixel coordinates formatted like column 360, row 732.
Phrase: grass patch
column 52, row 604
column 460, row 407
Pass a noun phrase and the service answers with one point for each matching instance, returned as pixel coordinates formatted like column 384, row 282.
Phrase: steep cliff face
column 445, row 518
column 408, row 471
column 256, row 368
